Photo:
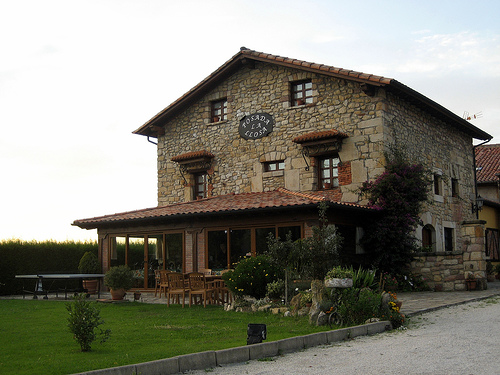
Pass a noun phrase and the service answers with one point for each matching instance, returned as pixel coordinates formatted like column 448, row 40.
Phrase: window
column 448, row 239
column 271, row 166
column 302, row 93
column 219, row 110
column 428, row 237
column 437, row 184
column 200, row 185
column 328, row 172
column 454, row 187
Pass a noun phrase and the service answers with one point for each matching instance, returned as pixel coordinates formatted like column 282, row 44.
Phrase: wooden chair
column 176, row 287
column 163, row 282
column 198, row 286
column 223, row 292
column 157, row 282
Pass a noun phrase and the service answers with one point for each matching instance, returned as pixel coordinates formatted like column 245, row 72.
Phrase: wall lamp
column 478, row 206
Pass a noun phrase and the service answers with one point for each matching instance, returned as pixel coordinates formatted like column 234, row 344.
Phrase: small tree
column 398, row 193
column 83, row 321
column 310, row 257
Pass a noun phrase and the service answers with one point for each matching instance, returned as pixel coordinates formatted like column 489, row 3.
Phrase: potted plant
column 388, row 282
column 119, row 279
column 89, row 264
column 339, row 277
column 490, row 271
column 471, row 281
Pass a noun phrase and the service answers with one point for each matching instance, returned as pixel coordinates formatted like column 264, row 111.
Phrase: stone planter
column 338, row 283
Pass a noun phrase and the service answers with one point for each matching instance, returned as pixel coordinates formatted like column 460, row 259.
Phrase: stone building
column 488, row 187
column 253, row 149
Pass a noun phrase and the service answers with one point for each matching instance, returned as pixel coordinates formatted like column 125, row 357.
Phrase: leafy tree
column 398, row 193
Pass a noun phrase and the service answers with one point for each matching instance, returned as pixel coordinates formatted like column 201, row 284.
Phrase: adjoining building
column 258, row 144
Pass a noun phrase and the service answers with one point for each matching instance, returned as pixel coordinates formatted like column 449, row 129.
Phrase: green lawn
column 35, row 338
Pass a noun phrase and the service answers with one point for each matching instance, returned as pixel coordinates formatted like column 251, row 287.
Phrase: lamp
column 478, row 206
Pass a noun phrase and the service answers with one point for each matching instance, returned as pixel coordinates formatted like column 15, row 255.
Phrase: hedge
column 22, row 257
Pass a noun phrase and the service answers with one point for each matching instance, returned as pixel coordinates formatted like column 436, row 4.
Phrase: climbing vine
column 398, row 193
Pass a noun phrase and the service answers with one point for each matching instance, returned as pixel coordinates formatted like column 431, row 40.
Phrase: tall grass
column 36, row 339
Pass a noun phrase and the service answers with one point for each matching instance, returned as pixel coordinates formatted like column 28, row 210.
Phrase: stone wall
column 447, row 271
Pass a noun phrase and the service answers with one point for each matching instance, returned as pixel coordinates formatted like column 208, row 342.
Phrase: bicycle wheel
column 335, row 319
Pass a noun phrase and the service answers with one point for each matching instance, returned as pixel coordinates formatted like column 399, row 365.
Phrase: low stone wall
column 441, row 271
column 447, row 271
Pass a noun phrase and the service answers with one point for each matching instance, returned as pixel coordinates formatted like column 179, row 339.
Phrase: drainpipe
column 150, row 141
column 475, row 173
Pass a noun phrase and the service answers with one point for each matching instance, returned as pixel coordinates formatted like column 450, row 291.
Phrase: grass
column 35, row 338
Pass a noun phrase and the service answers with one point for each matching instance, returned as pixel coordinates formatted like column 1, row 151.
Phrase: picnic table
column 39, row 290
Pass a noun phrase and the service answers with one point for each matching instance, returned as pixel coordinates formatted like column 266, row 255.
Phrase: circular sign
column 256, row 126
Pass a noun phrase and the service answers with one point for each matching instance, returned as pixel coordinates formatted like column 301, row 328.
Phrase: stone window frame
column 429, row 231
column 273, row 157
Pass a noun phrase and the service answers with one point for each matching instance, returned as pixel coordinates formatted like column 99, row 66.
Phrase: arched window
column 428, row 238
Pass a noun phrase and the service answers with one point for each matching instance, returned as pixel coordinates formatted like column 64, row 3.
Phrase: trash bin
column 256, row 333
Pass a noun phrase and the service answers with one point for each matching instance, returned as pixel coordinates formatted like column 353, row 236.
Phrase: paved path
column 461, row 339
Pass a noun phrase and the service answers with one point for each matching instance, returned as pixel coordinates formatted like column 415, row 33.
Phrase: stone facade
column 373, row 118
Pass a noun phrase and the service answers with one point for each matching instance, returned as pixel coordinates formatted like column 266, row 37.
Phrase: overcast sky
column 77, row 77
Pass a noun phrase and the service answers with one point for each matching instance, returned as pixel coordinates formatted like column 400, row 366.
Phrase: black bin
column 256, row 333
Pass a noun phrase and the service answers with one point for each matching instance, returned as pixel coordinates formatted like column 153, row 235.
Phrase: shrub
column 84, row 319
column 275, row 290
column 119, row 277
column 364, row 278
column 89, row 263
column 359, row 305
column 251, row 276
column 339, row 272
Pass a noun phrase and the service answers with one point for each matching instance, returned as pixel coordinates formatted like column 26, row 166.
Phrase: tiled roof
column 151, row 128
column 230, row 203
column 488, row 163
column 193, row 155
column 316, row 136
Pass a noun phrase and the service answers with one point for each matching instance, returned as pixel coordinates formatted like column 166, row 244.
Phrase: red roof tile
column 488, row 163
column 193, row 155
column 315, row 136
column 222, row 204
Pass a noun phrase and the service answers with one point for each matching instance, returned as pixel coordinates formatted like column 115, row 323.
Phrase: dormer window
column 219, row 110
column 302, row 93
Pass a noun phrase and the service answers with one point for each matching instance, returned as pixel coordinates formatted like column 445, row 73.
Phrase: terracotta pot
column 471, row 284
column 90, row 286
column 118, row 294
column 399, row 304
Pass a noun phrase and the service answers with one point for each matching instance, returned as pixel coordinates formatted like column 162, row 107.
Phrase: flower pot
column 137, row 296
column 471, row 284
column 90, row 286
column 338, row 283
column 118, row 294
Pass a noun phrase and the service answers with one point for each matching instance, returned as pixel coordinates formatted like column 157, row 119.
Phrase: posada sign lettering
column 256, row 126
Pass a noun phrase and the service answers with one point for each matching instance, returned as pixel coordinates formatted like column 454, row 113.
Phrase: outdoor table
column 69, row 276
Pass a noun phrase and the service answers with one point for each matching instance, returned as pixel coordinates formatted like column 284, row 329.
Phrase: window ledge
column 439, row 198
column 217, row 123
column 273, row 174
column 437, row 253
column 301, row 106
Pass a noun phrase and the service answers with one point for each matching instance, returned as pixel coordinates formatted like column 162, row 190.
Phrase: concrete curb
column 210, row 359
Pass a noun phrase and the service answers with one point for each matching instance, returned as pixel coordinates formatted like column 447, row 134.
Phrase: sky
column 77, row 77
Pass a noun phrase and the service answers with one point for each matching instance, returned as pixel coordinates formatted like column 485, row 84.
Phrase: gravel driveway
column 462, row 339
